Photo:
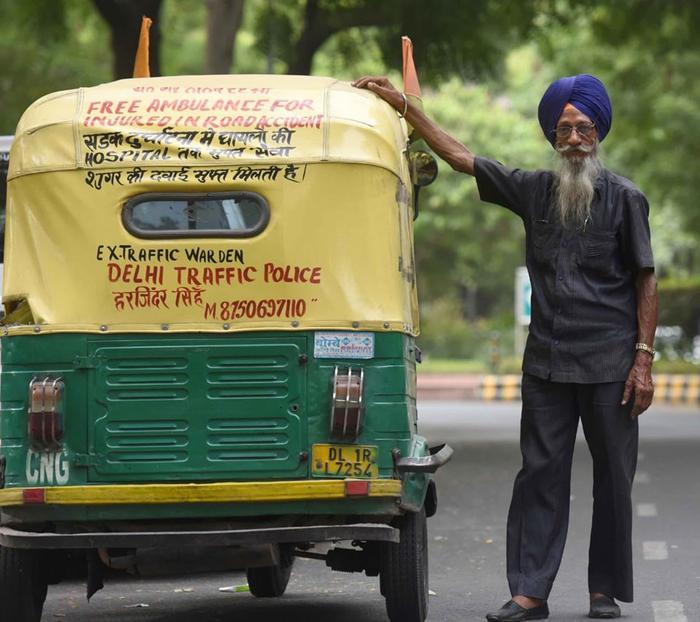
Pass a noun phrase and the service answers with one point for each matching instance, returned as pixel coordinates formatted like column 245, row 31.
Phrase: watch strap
column 645, row 348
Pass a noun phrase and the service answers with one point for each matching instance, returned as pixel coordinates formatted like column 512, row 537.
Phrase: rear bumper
column 220, row 492
column 14, row 538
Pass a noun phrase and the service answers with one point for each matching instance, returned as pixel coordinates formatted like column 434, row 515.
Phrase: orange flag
column 411, row 87
column 142, row 68
column 410, row 77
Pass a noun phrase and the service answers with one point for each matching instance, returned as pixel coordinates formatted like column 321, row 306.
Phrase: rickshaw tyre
column 404, row 571
column 270, row 581
column 23, row 585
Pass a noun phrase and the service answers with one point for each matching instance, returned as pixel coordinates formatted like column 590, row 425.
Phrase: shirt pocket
column 544, row 243
column 598, row 251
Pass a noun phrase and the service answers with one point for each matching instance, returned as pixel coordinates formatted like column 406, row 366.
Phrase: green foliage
column 647, row 53
column 184, row 37
column 452, row 366
column 481, row 84
column 679, row 304
column 46, row 18
column 445, row 332
column 352, row 53
column 276, row 26
column 513, row 365
column 664, row 366
column 48, row 46
column 468, row 250
column 467, row 37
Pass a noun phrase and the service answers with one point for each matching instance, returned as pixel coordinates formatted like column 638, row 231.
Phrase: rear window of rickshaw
column 184, row 215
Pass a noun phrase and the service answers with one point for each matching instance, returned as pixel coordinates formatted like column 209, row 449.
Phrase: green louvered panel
column 197, row 411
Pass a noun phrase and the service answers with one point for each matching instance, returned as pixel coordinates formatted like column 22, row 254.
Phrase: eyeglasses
column 584, row 130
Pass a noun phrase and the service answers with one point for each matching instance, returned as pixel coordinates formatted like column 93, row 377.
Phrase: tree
column 224, row 18
column 467, row 37
column 48, row 45
column 124, row 20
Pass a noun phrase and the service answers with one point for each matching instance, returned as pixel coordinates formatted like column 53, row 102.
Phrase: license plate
column 344, row 461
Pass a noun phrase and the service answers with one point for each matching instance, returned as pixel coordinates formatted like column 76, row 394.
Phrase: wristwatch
column 645, row 348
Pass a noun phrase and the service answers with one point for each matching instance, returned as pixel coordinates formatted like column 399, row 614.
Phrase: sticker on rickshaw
column 336, row 344
column 344, row 461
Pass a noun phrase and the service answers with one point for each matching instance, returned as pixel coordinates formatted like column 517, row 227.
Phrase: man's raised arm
column 446, row 146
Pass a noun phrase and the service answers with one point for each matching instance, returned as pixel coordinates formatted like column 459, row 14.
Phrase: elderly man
column 590, row 346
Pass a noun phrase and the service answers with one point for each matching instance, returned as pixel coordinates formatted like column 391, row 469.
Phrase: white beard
column 574, row 186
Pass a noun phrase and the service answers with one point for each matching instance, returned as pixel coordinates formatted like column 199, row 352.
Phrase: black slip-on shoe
column 604, row 607
column 513, row 612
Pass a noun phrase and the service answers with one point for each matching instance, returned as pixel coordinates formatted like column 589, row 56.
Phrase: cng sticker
column 47, row 468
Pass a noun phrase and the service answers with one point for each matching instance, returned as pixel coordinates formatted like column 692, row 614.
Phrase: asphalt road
column 467, row 540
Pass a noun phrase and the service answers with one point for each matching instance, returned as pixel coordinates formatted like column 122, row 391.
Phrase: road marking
column 654, row 550
column 646, row 509
column 642, row 477
column 668, row 611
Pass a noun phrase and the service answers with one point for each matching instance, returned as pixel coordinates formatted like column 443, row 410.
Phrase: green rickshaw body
column 157, row 409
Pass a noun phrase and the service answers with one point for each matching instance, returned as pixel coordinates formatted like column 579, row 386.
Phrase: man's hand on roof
column 382, row 87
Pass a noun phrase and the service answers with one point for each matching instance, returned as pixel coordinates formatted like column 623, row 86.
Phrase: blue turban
column 586, row 93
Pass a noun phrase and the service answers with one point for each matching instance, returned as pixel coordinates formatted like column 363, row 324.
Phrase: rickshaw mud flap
column 439, row 456
column 373, row 532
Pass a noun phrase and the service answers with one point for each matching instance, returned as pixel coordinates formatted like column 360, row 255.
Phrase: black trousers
column 539, row 511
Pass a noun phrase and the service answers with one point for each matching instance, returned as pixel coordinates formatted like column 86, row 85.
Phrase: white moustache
column 573, row 148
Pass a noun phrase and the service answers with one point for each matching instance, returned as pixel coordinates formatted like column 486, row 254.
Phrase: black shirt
column 584, row 304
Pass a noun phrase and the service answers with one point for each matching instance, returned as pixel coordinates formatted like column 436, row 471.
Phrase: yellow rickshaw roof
column 333, row 122
column 324, row 163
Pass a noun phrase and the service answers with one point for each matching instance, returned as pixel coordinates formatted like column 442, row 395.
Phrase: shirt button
column 556, row 342
column 564, row 244
column 561, row 278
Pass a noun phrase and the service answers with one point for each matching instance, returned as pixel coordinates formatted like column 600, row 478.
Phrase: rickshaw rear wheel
column 271, row 581
column 22, row 585
column 404, row 570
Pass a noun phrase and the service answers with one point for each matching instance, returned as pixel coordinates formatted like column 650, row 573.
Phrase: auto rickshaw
column 208, row 354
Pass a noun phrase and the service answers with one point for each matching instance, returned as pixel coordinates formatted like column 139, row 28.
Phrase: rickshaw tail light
column 346, row 404
column 356, row 488
column 45, row 419
column 34, row 495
